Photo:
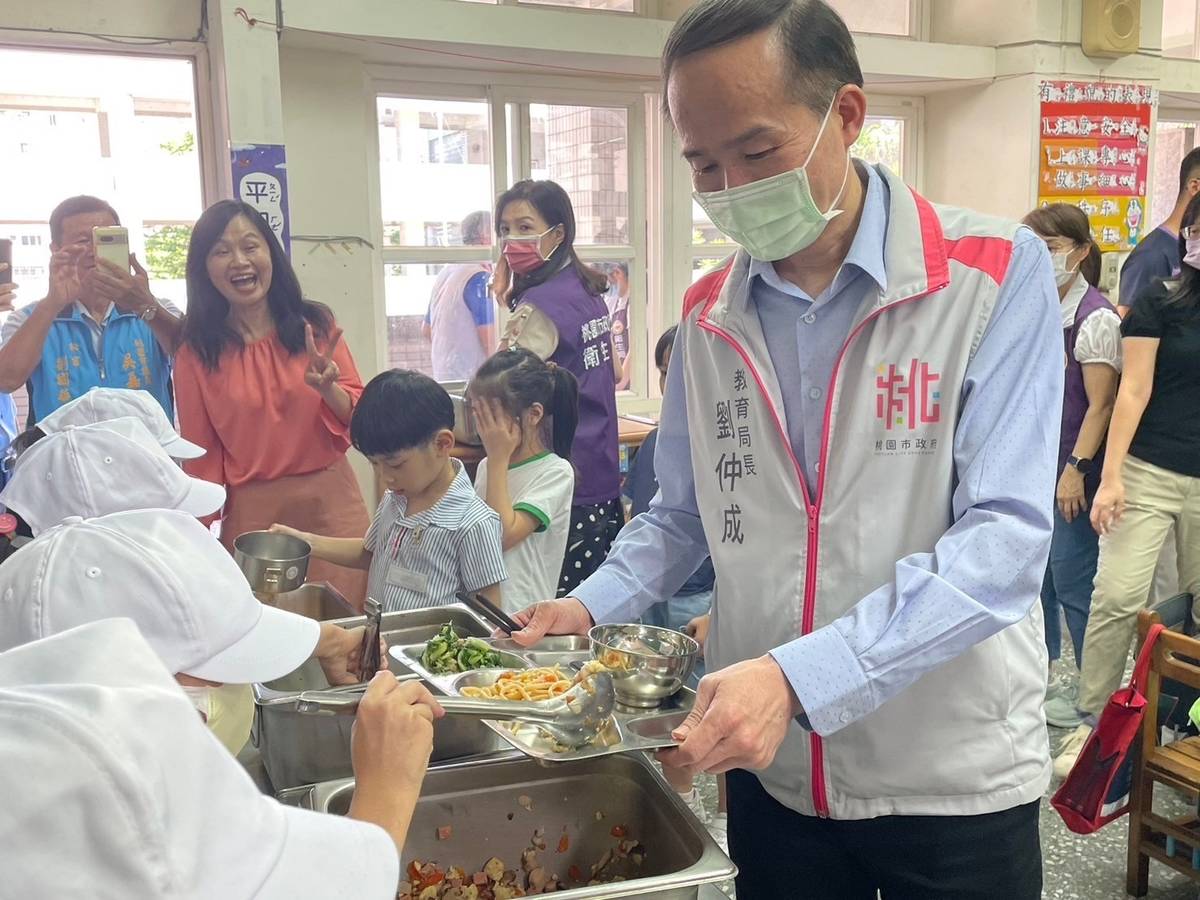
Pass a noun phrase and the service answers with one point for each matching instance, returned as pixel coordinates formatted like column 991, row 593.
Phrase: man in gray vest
column 859, row 425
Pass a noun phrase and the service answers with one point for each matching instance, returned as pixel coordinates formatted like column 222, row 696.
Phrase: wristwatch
column 149, row 312
column 1082, row 465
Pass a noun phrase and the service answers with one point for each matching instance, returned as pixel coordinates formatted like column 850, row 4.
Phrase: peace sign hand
column 322, row 372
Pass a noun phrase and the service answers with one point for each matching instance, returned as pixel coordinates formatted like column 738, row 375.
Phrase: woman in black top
column 1151, row 477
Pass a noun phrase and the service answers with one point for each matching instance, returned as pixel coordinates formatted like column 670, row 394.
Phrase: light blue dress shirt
column 884, row 643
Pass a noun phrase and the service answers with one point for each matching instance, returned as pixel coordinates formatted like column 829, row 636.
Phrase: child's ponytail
column 564, row 409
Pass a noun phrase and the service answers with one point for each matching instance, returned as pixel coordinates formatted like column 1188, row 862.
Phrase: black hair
column 206, row 327
column 518, row 378
column 398, row 410
column 1068, row 221
column 77, row 206
column 1187, row 169
column 553, row 205
column 664, row 345
column 1187, row 294
column 820, row 50
column 24, row 441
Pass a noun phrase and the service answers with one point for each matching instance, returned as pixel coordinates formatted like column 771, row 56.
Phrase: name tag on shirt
column 417, row 582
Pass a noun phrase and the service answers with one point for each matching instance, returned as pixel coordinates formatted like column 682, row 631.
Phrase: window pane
column 1179, row 28
column 702, row 265
column 621, row 295
column 586, row 150
column 881, row 141
column 618, row 5
column 434, row 169
column 874, row 16
column 1172, row 141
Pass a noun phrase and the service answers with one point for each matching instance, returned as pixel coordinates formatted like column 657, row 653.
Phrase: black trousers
column 783, row 855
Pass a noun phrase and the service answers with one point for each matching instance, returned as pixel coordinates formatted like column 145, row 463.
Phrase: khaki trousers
column 1155, row 499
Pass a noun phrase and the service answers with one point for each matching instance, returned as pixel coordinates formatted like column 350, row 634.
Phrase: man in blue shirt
column 98, row 324
column 853, row 316
column 1156, row 256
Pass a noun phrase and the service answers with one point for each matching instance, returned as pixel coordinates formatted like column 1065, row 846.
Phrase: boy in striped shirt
column 432, row 535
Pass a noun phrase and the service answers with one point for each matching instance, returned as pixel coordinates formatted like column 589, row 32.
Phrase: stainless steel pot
column 272, row 563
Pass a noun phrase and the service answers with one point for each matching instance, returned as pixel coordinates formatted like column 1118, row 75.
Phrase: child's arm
column 349, row 552
column 492, row 593
column 515, row 524
column 480, row 559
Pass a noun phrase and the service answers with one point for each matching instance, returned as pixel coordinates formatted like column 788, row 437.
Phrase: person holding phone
column 98, row 325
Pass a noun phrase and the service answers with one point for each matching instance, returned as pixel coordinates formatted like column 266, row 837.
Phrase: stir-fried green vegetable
column 446, row 652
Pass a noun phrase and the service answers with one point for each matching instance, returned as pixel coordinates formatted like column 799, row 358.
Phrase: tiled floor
column 1076, row 867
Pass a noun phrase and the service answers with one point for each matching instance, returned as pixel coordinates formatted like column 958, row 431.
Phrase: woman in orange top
column 264, row 384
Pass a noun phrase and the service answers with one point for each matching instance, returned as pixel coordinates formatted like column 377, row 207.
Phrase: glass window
column 122, row 128
column 616, row 5
column 882, row 141
column 875, row 16
column 1172, row 141
column 586, row 150
column 434, row 168
column 1179, row 28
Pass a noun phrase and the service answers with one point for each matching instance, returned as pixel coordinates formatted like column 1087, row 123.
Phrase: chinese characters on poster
column 1093, row 147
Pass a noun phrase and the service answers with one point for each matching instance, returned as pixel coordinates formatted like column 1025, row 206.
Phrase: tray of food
column 590, row 829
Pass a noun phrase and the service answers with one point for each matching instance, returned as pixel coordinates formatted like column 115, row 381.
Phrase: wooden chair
column 1173, row 842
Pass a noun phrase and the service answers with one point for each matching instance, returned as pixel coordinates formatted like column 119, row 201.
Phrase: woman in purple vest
column 1092, row 341
column 558, row 312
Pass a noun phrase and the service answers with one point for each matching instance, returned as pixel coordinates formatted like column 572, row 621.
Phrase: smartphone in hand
column 111, row 242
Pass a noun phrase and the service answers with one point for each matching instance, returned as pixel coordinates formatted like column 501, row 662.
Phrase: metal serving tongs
column 573, row 719
column 369, row 657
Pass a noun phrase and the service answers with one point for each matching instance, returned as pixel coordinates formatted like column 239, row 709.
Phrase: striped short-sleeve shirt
column 425, row 559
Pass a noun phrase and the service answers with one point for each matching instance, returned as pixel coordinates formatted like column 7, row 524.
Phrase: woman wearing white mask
column 1092, row 339
column 1151, row 476
column 558, row 312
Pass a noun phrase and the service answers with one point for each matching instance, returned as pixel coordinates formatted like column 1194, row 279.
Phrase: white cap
column 91, row 470
column 103, row 403
column 164, row 570
column 113, row 787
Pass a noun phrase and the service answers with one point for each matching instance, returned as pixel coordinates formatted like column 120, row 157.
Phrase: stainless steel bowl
column 648, row 664
column 272, row 563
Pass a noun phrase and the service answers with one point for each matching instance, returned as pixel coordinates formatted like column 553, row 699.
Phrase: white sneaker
column 718, row 827
column 1057, row 686
column 1061, row 711
column 1068, row 752
column 695, row 804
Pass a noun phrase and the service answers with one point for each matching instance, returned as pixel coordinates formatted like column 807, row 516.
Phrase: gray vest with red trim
column 968, row 737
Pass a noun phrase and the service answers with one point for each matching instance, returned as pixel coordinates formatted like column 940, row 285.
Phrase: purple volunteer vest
column 1075, row 401
column 584, row 349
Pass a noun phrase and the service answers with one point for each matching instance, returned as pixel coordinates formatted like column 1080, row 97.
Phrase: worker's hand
column 8, row 291
column 740, row 717
column 697, row 628
column 129, row 292
column 565, row 616
column 1069, row 496
column 390, row 745
column 499, row 431
column 1108, row 505
column 339, row 651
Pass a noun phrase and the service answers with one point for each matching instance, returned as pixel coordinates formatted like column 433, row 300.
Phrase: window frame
column 508, row 97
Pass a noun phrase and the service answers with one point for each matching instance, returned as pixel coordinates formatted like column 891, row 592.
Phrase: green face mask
column 775, row 217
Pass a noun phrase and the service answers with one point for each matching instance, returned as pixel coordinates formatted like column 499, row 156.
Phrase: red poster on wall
column 1094, row 152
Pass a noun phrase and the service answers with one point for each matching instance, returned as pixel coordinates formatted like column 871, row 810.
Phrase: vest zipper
column 812, row 511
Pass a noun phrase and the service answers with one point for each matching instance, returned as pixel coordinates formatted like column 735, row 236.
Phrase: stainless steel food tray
column 564, row 651
column 630, row 729
column 492, row 808
column 299, row 749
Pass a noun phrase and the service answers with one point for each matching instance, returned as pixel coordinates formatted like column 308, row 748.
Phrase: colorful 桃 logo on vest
column 907, row 396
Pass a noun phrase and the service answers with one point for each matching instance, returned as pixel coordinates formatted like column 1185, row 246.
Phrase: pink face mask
column 524, row 254
column 1192, row 257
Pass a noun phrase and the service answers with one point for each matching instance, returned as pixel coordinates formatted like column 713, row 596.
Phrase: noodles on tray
column 529, row 684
